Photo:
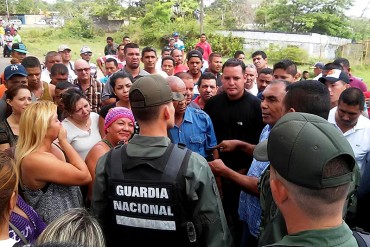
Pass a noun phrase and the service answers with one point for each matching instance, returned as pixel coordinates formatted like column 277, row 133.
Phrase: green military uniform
column 273, row 227
column 340, row 236
column 300, row 146
column 201, row 189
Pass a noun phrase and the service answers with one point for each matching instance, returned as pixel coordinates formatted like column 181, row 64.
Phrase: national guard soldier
column 154, row 193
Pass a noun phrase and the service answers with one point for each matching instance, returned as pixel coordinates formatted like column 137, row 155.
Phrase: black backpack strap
column 178, row 157
column 116, row 161
column 362, row 237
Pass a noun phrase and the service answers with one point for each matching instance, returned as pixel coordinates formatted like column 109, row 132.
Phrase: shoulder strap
column 178, row 157
column 362, row 237
column 20, row 235
column 116, row 160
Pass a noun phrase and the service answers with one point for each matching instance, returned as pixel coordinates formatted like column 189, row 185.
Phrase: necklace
column 82, row 126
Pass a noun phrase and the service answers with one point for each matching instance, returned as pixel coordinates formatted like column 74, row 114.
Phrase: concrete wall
column 108, row 25
column 31, row 19
column 319, row 46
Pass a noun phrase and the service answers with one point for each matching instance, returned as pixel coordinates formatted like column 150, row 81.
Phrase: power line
column 365, row 9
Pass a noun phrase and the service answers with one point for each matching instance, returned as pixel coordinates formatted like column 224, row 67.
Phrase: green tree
column 23, row 6
column 219, row 14
column 157, row 14
column 360, row 29
column 320, row 16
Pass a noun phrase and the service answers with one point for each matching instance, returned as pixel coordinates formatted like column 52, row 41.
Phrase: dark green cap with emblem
column 300, row 145
column 155, row 91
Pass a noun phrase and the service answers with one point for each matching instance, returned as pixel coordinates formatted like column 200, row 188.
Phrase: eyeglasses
column 85, row 69
column 87, row 54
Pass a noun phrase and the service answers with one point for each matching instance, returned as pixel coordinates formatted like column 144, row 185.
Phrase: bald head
column 80, row 63
column 82, row 69
column 176, row 84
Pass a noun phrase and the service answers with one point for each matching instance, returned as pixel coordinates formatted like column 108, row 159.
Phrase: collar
column 188, row 115
column 140, row 146
column 79, row 84
column 328, row 237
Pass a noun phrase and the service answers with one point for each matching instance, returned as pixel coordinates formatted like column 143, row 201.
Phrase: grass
column 41, row 40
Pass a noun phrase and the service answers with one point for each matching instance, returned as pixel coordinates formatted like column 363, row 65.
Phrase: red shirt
column 180, row 68
column 207, row 49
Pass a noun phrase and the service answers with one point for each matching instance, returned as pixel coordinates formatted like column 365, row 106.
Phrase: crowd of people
column 181, row 149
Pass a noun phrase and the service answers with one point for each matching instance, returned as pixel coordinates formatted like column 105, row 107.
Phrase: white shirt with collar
column 316, row 78
column 358, row 137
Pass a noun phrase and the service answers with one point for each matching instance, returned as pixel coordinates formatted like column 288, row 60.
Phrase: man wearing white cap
column 65, row 53
column 86, row 54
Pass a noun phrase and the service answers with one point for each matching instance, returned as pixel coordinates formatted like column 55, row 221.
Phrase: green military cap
column 155, row 91
column 300, row 145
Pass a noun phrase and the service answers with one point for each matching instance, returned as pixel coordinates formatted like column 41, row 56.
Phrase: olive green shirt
column 201, row 189
column 340, row 236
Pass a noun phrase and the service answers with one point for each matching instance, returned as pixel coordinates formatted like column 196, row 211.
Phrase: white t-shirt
column 254, row 89
column 358, row 137
column 7, row 243
column 82, row 141
column 45, row 76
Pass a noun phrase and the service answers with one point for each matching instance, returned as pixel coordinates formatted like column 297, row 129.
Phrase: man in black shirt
column 236, row 115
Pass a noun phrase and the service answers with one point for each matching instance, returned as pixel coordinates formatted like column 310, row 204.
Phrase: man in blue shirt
column 249, row 204
column 193, row 127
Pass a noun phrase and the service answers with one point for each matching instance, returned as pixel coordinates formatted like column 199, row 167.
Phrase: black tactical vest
column 148, row 207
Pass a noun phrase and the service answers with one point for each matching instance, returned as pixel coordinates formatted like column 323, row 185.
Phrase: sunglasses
column 85, row 69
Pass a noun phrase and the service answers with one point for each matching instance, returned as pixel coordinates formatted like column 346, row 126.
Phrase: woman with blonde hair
column 75, row 226
column 50, row 184
column 8, row 197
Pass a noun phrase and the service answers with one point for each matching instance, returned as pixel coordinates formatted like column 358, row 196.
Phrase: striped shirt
column 93, row 93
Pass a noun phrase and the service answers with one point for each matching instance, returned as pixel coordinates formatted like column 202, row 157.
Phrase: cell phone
column 210, row 158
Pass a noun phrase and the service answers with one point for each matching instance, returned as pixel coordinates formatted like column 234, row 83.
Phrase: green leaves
column 319, row 16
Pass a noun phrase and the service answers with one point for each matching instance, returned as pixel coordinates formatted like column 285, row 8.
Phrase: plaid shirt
column 249, row 205
column 93, row 93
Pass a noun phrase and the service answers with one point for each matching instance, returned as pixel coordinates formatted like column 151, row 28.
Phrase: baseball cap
column 194, row 53
column 85, row 49
column 300, row 145
column 14, row 69
column 63, row 47
column 335, row 75
column 155, row 91
column 175, row 34
column 19, row 47
column 319, row 65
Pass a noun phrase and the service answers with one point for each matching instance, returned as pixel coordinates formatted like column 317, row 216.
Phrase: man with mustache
column 259, row 60
column 207, row 87
column 193, row 127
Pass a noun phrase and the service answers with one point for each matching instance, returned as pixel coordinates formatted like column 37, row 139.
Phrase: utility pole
column 7, row 10
column 201, row 18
